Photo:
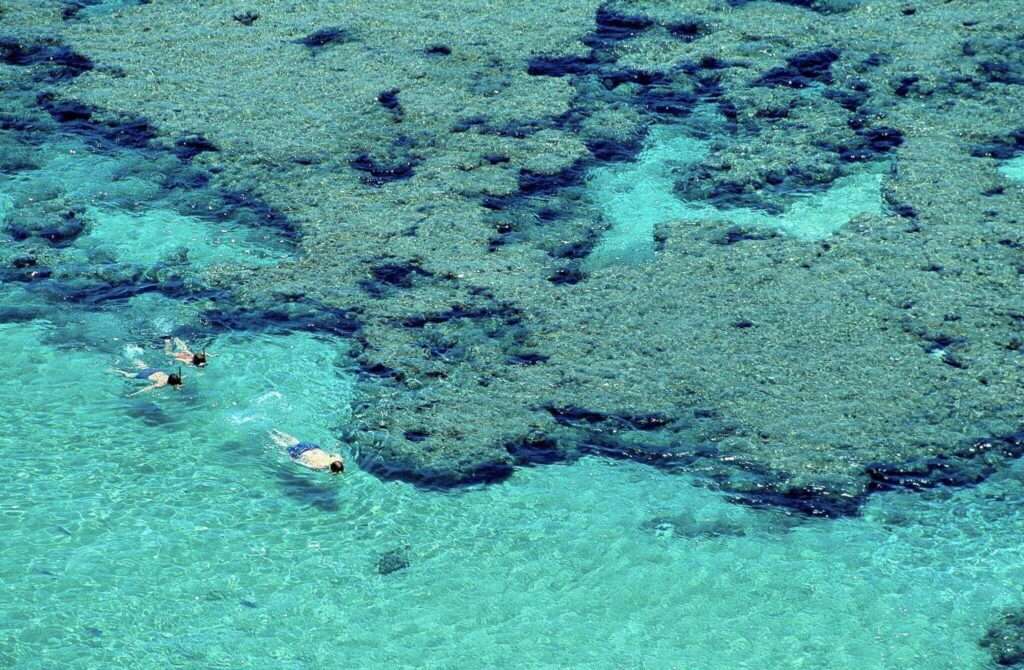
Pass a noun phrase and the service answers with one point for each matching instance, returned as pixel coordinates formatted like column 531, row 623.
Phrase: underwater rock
column 325, row 37
column 298, row 315
column 808, row 501
column 389, row 100
column 191, row 146
column 560, row 66
column 416, row 435
column 611, row 27
column 438, row 50
column 871, row 144
column 247, row 209
column 102, row 133
column 735, row 234
column 1002, row 148
column 398, row 274
column 802, row 70
column 246, row 18
column 527, row 358
column 63, row 63
column 687, row 30
column 379, row 171
column 536, row 448
column 998, row 59
column 1004, row 639
column 41, row 222
column 566, row 276
column 434, row 477
column 849, row 100
column 393, row 561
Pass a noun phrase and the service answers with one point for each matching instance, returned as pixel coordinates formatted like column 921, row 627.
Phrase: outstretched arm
column 144, row 390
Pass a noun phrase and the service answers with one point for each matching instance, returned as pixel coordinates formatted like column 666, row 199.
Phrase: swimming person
column 182, row 353
column 158, row 377
column 307, row 453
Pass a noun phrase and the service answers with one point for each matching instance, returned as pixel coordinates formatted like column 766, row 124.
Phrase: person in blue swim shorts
column 156, row 377
column 307, row 454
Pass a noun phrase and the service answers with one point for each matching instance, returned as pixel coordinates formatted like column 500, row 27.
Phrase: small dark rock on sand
column 1004, row 640
column 393, row 561
column 247, row 18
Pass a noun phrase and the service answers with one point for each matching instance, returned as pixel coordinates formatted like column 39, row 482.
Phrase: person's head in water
column 337, row 467
column 174, row 379
column 199, row 359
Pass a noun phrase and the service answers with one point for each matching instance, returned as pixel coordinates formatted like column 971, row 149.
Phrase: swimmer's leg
column 126, row 375
column 282, row 439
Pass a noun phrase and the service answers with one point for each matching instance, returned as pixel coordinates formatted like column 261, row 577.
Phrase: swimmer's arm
column 144, row 390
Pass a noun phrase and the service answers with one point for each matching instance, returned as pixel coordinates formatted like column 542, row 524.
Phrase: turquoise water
column 637, row 196
column 167, row 531
column 130, row 219
column 1013, row 168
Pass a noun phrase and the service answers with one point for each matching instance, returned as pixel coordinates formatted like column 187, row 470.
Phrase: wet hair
column 174, row 379
column 337, row 467
column 199, row 360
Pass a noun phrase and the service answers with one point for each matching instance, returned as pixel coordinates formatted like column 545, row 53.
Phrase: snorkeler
column 182, row 353
column 159, row 378
column 307, row 453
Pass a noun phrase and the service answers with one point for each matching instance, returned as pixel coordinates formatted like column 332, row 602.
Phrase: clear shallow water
column 131, row 218
column 166, row 531
column 635, row 197
column 1013, row 169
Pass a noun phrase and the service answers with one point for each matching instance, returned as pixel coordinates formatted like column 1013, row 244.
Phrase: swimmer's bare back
column 318, row 459
column 307, row 454
column 157, row 378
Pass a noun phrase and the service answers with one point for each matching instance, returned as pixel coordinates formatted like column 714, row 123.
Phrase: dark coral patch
column 393, row 561
column 604, row 149
column 612, row 26
column 325, row 37
column 535, row 448
column 560, row 66
column 568, row 275
column 80, row 119
column 283, row 318
column 492, row 472
column 389, row 100
column 1004, row 639
column 191, row 146
column 687, row 30
column 398, row 274
column 814, row 502
column 539, row 183
column 527, row 358
column 62, row 62
column 377, row 172
column 249, row 210
column 803, row 70
column 246, row 18
column 1001, row 148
